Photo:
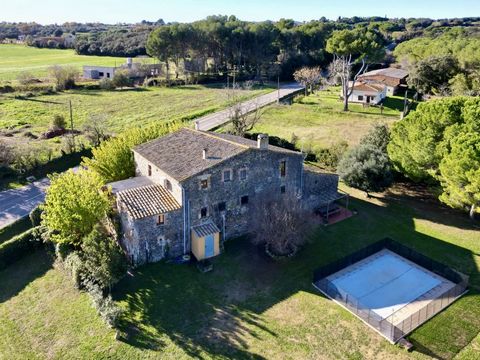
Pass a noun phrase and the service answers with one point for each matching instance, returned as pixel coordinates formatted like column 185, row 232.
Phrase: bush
column 105, row 262
column 19, row 246
column 58, row 122
column 64, row 76
column 106, row 84
column 75, row 268
column 35, row 216
column 122, row 79
column 330, row 157
column 105, row 306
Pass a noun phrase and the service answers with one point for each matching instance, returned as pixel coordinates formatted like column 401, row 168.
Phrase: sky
column 132, row 11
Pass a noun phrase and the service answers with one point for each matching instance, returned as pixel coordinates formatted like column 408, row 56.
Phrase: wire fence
column 392, row 327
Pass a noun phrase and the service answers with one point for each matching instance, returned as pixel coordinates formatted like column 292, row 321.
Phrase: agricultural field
column 318, row 120
column 24, row 119
column 249, row 306
column 15, row 59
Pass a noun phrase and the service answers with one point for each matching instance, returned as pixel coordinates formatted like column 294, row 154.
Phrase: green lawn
column 319, row 120
column 15, row 59
column 249, row 306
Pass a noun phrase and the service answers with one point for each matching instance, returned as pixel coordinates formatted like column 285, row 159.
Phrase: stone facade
column 222, row 193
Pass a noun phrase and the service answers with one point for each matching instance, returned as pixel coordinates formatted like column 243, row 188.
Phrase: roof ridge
column 209, row 134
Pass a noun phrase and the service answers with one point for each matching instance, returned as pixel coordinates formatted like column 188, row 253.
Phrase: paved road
column 17, row 203
column 214, row 120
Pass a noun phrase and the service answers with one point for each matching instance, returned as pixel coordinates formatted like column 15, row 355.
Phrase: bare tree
column 283, row 225
column 308, row 77
column 243, row 118
column 95, row 130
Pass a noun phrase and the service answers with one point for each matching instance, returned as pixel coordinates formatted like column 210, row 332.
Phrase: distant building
column 98, row 72
column 368, row 93
column 135, row 70
column 392, row 78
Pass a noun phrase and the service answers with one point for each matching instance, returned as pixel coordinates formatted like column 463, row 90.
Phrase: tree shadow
column 17, row 276
column 219, row 314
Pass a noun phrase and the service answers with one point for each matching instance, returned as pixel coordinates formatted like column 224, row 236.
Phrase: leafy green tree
column 460, row 171
column 417, row 147
column 159, row 45
column 74, row 203
column 367, row 166
column 432, row 75
column 352, row 47
column 104, row 260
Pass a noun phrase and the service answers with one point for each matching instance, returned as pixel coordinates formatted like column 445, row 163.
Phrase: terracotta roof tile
column 148, row 201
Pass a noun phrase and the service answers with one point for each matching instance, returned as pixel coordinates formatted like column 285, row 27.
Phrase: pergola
column 326, row 200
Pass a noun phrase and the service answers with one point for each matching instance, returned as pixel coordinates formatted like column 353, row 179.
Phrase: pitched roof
column 389, row 72
column 371, row 87
column 147, row 200
column 180, row 154
column 208, row 228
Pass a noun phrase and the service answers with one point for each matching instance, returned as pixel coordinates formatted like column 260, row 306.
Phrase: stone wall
column 263, row 177
column 145, row 241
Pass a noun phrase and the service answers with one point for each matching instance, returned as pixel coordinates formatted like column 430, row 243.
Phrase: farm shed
column 205, row 241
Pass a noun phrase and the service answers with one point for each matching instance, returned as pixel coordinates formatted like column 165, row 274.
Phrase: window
column 222, row 206
column 360, row 97
column 101, row 74
column 204, row 184
column 282, row 189
column 167, row 184
column 283, row 168
column 203, row 212
column 161, row 219
column 242, row 174
column 149, row 170
column 108, row 75
column 244, row 200
column 227, row 175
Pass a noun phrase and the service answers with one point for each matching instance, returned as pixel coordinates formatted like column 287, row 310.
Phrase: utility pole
column 405, row 103
column 228, row 80
column 71, row 125
column 234, row 70
column 278, row 88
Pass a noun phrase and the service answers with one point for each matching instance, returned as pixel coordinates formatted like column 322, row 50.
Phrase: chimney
column 262, row 141
column 129, row 63
column 197, row 125
column 204, row 154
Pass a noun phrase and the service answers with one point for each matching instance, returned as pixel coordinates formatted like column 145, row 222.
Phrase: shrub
column 64, row 76
column 26, row 78
column 122, row 79
column 19, row 246
column 58, row 122
column 106, row 84
column 75, row 268
column 330, row 157
column 105, row 261
column 35, row 216
column 104, row 305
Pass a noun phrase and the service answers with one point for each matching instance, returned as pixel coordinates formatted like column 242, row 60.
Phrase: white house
column 367, row 93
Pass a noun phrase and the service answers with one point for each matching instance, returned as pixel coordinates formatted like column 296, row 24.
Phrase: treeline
column 114, row 42
column 444, row 64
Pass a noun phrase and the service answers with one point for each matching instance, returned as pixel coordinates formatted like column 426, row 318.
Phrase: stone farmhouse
column 392, row 78
column 193, row 190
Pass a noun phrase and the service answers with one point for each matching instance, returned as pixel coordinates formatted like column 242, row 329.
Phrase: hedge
column 19, row 246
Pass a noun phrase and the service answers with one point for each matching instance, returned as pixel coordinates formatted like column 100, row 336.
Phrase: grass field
column 319, row 120
column 15, row 59
column 118, row 110
column 249, row 306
